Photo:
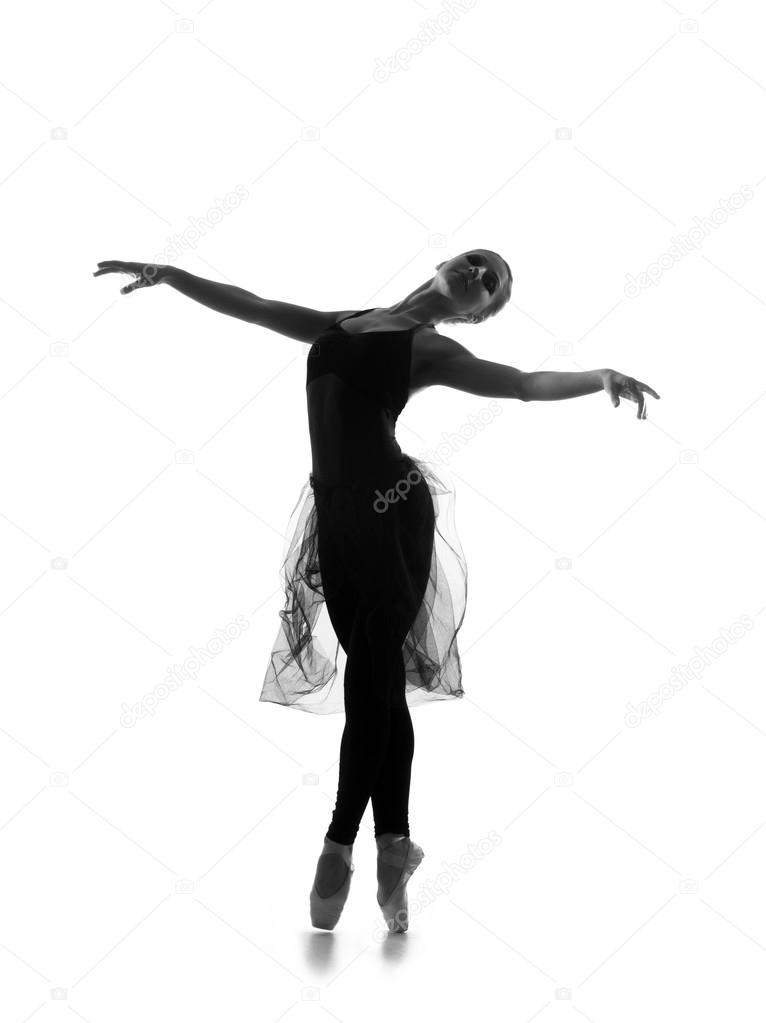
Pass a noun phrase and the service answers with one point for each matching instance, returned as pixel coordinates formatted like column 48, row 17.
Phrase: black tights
column 378, row 740
column 374, row 572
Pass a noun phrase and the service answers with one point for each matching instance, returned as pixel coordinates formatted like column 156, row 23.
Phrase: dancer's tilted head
column 477, row 282
column 468, row 288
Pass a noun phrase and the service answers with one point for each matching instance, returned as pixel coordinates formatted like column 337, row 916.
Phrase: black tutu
column 394, row 532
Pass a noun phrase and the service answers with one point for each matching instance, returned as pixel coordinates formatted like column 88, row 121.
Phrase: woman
column 373, row 541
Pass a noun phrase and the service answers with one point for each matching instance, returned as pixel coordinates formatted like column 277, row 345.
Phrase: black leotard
column 353, row 412
column 373, row 555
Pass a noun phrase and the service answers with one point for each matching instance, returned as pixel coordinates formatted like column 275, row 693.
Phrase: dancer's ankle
column 387, row 837
column 343, row 849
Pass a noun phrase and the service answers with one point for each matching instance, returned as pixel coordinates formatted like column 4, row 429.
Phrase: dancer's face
column 471, row 279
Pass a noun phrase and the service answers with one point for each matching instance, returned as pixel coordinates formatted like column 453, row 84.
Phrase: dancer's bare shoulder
column 438, row 359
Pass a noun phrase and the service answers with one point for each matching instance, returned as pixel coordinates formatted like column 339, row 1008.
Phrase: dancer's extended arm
column 295, row 321
column 443, row 360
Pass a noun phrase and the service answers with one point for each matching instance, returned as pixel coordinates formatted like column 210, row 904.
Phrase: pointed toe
column 407, row 856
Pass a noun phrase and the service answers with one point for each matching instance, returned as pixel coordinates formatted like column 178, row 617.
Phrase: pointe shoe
column 327, row 908
column 404, row 854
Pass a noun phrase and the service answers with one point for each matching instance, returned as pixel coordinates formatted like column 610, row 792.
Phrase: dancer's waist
column 382, row 474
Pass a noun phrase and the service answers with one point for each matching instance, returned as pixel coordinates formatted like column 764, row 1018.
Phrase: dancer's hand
column 145, row 274
column 617, row 386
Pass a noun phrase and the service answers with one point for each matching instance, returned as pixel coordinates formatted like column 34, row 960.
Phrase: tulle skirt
column 389, row 538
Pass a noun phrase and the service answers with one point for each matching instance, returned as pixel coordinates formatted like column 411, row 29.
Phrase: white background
column 612, row 867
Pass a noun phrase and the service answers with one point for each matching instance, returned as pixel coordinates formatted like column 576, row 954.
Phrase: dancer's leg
column 391, row 792
column 409, row 562
column 367, row 731
column 373, row 595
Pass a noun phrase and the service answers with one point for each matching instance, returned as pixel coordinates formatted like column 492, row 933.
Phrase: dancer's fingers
column 132, row 286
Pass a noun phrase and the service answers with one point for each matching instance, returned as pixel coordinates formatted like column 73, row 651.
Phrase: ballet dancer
column 366, row 538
